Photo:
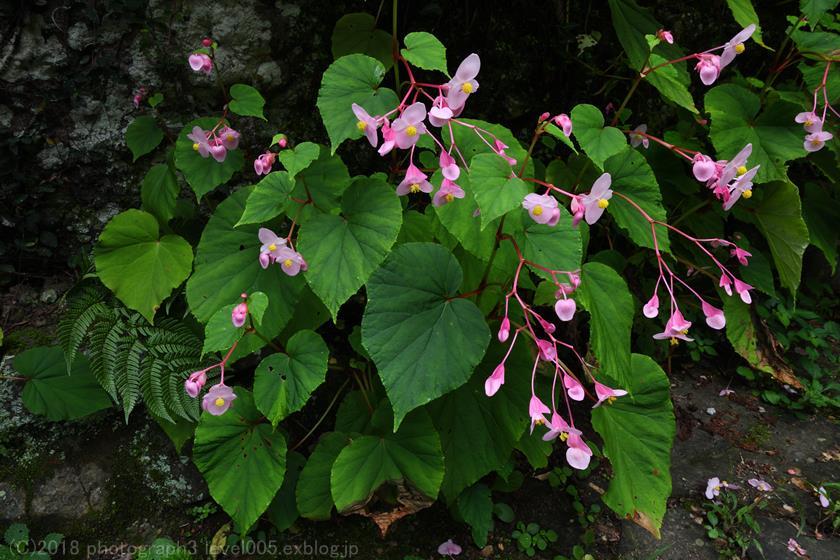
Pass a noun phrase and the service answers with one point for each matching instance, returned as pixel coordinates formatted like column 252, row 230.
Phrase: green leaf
column 242, row 459
column 357, row 33
column 425, row 51
column 411, row 455
column 558, row 247
column 314, row 500
column 50, row 391
column 741, row 333
column 489, row 427
column 17, row 535
column 475, row 506
column 814, row 10
column 343, row 251
column 142, row 136
column 325, row 180
column 159, row 192
column 631, row 23
column 283, row 512
column 283, row 383
column 822, row 215
column 269, row 199
column 138, row 265
column 638, row 432
column 424, row 339
column 779, row 217
column 775, row 137
column 744, row 14
column 605, row 295
column 555, row 131
column 816, row 45
column 460, row 220
column 204, row 174
column 246, row 101
column 598, row 142
column 155, row 100
column 470, row 143
column 672, row 81
column 299, row 158
column 354, row 78
column 219, row 332
column 632, row 176
column 226, row 265
column 496, row 189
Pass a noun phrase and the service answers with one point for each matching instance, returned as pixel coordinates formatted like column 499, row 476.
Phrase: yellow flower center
column 684, row 331
column 610, row 400
column 674, row 341
column 466, row 87
column 538, row 210
column 230, row 137
column 195, row 146
column 603, row 203
column 287, row 263
column 816, row 142
column 741, row 170
column 219, row 401
column 809, row 122
column 414, row 188
column 449, row 197
column 539, row 422
column 361, row 125
column 739, row 48
column 411, row 130
column 747, row 193
column 272, row 247
column 564, row 436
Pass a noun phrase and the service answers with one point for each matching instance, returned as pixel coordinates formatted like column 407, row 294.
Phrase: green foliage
column 204, row 174
column 357, row 33
column 531, row 538
column 475, row 506
column 142, row 136
column 159, row 192
column 599, row 142
column 744, row 13
column 495, row 191
column 246, row 101
column 425, row 51
column 268, row 199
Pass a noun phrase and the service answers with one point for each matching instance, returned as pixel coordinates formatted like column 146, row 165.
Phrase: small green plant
column 164, row 549
column 19, row 545
column 829, row 497
column 530, row 538
column 732, row 525
column 578, row 553
column 202, row 512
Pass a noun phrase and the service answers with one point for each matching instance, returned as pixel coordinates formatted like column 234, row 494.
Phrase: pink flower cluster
column 200, row 61
column 728, row 180
column 214, row 142
column 138, row 96
column 219, row 397
column 709, row 65
column 276, row 249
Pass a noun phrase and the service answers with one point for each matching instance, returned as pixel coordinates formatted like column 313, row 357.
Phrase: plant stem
column 395, row 46
column 323, row 416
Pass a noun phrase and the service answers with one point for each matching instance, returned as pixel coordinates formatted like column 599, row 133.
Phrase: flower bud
column 504, row 330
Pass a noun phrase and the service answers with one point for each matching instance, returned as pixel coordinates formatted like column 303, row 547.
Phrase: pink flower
column 449, row 548
column 448, row 166
column 441, row 112
column 714, row 316
column 389, row 138
column 607, row 394
column 548, row 352
column 263, row 163
column 815, row 141
column 564, row 122
column 726, row 284
column 218, row 399
column 195, row 382
column 578, row 210
column 564, row 289
column 573, row 387
column 651, row 308
column 578, row 454
column 810, row 121
column 760, row 485
column 239, row 314
column 675, row 328
column 447, row 192
column 504, row 330
column 638, row 137
column 414, row 182
column 740, row 187
column 726, row 392
column 823, row 494
column 537, row 411
column 665, row 36
column 271, row 245
column 565, row 309
column 218, row 151
column 543, row 117
column 291, row 262
column 735, row 46
column 200, row 142
column 708, row 67
column 713, row 487
column 493, row 383
column 200, row 62
column 743, row 290
column 499, row 147
column 598, row 198
column 794, row 547
column 542, row 208
column 229, row 137
column 366, row 124
column 557, row 427
column 409, row 126
column 463, row 83
column 703, row 167
column 741, row 254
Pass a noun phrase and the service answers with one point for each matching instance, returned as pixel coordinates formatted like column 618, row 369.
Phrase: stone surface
column 12, row 502
column 70, row 492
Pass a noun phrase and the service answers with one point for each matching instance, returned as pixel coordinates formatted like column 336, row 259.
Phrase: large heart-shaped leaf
column 138, row 265
column 633, row 177
column 323, row 181
column 556, row 247
column 424, row 339
column 246, row 101
column 496, row 190
column 425, row 51
column 460, row 220
column 343, row 251
column 357, row 33
column 605, row 295
column 50, row 391
column 822, row 214
column 159, row 192
column 638, row 431
column 411, row 455
column 475, row 505
column 204, row 174
column 314, row 499
column 284, row 382
column 299, row 158
column 242, row 459
column 227, row 264
column 269, row 198
column 352, row 79
column 775, row 137
column 283, row 511
column 142, row 136
column 599, row 142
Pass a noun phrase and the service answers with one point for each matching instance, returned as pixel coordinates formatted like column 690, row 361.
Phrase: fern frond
column 85, row 305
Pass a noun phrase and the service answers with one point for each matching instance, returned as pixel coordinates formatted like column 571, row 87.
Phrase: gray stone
column 70, row 493
column 12, row 502
column 79, row 36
